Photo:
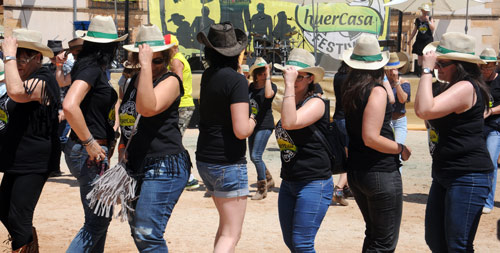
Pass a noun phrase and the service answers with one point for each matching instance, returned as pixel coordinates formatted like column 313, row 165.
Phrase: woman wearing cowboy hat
column 155, row 156
column 373, row 161
column 424, row 26
column 461, row 164
column 225, row 123
column 29, row 143
column 88, row 107
column 401, row 90
column 261, row 93
column 307, row 185
column 492, row 119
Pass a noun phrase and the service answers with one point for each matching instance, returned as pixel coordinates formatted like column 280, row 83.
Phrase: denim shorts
column 224, row 181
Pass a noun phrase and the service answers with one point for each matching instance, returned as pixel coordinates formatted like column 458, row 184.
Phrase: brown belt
column 102, row 142
column 397, row 115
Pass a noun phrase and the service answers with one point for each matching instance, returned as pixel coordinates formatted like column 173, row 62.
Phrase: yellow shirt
column 187, row 81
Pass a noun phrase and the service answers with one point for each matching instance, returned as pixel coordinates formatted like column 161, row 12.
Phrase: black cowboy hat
column 55, row 46
column 224, row 39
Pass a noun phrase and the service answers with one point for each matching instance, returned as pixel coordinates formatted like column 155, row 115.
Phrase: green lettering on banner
column 340, row 17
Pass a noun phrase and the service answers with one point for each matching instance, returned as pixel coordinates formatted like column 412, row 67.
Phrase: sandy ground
column 59, row 214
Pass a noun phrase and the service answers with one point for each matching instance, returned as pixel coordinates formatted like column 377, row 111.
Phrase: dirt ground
column 59, row 214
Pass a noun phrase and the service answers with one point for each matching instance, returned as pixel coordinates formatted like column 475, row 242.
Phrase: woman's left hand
column 145, row 54
column 290, row 75
column 405, row 155
column 268, row 71
column 9, row 46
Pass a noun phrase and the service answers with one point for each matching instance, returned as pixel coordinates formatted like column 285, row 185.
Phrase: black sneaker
column 192, row 185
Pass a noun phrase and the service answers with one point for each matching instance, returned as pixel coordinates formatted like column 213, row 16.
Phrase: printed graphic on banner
column 274, row 27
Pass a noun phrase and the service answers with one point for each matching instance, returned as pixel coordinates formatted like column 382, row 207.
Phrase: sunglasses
column 487, row 66
column 158, row 61
column 299, row 77
column 25, row 61
column 442, row 65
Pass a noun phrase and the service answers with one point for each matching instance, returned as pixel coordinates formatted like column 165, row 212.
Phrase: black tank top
column 156, row 136
column 303, row 157
column 360, row 156
column 459, row 142
column 424, row 32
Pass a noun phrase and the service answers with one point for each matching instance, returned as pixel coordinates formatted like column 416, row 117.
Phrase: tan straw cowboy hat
column 455, row 46
column 259, row 63
column 425, row 7
column 224, row 39
column 2, row 70
column 31, row 39
column 489, row 55
column 151, row 35
column 366, row 54
column 394, row 62
column 102, row 29
column 245, row 68
column 303, row 61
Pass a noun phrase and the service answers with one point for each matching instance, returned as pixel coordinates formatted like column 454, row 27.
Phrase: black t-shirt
column 424, row 32
column 262, row 106
column 220, row 87
column 338, row 83
column 494, row 120
column 360, row 156
column 156, row 136
column 303, row 156
column 29, row 142
column 98, row 106
column 459, row 142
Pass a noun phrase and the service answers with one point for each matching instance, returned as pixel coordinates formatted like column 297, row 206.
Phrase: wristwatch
column 8, row 58
column 426, row 71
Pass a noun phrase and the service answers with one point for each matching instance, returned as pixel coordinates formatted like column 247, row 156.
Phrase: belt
column 398, row 115
column 102, row 142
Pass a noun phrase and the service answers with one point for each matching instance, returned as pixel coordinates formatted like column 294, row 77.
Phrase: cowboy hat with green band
column 303, row 61
column 259, row 63
column 366, row 54
column 31, row 39
column 102, row 29
column 489, row 55
column 394, row 62
column 150, row 35
column 455, row 46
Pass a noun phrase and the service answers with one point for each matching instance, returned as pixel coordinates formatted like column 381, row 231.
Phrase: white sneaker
column 486, row 210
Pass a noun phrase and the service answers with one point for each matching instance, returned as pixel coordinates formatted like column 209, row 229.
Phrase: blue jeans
column 92, row 236
column 379, row 196
column 493, row 145
column 400, row 129
column 160, row 189
column 301, row 208
column 454, row 208
column 257, row 144
column 224, row 181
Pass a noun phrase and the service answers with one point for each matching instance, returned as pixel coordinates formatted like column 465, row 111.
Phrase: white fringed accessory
column 114, row 187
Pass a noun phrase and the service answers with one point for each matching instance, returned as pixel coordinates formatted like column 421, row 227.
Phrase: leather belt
column 102, row 142
column 397, row 115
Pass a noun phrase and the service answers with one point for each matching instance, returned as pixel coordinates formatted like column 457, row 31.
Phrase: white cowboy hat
column 102, row 29
column 394, row 61
column 366, row 54
column 455, row 46
column 151, row 35
column 31, row 39
column 489, row 55
column 303, row 61
column 2, row 70
column 245, row 68
column 425, row 7
column 259, row 63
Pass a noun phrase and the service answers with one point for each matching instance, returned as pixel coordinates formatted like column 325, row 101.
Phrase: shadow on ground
column 69, row 180
column 419, row 198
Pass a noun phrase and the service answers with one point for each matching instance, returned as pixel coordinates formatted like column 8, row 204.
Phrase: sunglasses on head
column 444, row 64
column 158, row 61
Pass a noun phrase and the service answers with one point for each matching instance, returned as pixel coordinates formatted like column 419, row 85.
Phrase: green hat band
column 153, row 43
column 297, row 64
column 102, row 35
column 261, row 64
column 488, row 58
column 443, row 50
column 377, row 57
column 1, row 73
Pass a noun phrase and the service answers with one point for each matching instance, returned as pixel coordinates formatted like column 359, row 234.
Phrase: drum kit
column 273, row 50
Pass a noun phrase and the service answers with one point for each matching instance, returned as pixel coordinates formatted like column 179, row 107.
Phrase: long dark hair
column 344, row 68
column 217, row 60
column 358, row 82
column 470, row 72
column 92, row 53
